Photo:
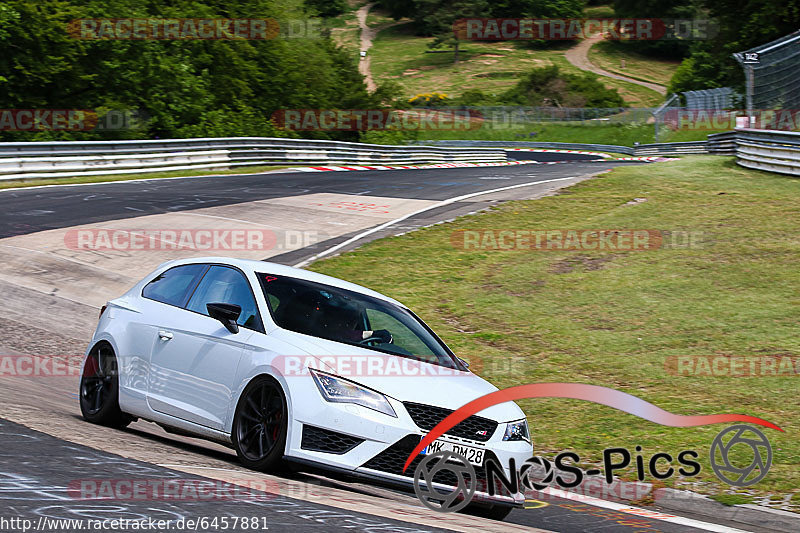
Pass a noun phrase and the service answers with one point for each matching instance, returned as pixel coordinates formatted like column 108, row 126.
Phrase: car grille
column 392, row 459
column 474, row 428
column 324, row 440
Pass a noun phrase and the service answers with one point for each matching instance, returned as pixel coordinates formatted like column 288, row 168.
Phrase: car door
column 194, row 361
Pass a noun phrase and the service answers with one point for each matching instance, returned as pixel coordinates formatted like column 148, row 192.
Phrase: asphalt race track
column 28, row 210
column 524, row 155
column 49, row 300
column 45, row 484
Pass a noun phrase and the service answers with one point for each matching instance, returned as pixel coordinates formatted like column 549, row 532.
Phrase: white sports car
column 287, row 365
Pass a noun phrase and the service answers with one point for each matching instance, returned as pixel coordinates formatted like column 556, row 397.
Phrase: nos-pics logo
column 446, row 481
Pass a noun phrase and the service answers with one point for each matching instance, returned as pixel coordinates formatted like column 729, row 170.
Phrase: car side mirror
column 463, row 362
column 228, row 314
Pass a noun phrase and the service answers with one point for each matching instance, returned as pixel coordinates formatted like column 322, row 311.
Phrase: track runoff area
column 52, row 290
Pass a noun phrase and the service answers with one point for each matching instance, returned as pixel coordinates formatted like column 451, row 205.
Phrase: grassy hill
column 398, row 55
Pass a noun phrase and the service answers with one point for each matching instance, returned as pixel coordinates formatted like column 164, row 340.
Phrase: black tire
column 494, row 512
column 99, row 388
column 260, row 426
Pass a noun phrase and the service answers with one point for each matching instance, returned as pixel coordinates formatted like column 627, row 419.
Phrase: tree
column 711, row 64
column 186, row 87
column 439, row 18
column 666, row 10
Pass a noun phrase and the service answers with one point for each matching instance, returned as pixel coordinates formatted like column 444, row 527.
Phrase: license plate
column 473, row 455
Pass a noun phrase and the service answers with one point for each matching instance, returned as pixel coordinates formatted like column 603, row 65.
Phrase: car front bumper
column 384, row 443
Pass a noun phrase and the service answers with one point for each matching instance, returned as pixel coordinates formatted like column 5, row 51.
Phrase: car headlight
column 517, row 431
column 336, row 389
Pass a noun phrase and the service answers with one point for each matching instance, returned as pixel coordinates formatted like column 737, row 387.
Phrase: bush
column 327, row 8
column 393, row 137
column 428, row 99
column 548, row 86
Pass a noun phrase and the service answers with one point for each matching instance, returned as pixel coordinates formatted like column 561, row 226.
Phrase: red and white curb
column 464, row 165
column 599, row 154
column 412, row 167
column 652, row 158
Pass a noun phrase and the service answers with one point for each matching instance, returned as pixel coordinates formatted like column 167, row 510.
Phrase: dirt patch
column 565, row 266
column 457, row 325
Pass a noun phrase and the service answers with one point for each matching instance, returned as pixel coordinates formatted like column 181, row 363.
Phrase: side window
column 227, row 286
column 172, row 286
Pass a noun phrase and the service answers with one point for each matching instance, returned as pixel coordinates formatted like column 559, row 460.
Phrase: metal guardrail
column 690, row 147
column 65, row 159
column 722, row 143
column 529, row 144
column 676, row 148
column 772, row 151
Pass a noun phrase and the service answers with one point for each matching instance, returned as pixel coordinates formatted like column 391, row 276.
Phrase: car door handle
column 164, row 335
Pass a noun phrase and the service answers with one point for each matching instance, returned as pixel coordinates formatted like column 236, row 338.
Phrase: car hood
column 402, row 378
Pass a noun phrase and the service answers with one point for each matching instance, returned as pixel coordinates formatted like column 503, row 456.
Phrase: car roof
column 254, row 266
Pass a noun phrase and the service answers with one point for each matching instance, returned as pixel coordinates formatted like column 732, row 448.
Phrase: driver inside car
column 333, row 317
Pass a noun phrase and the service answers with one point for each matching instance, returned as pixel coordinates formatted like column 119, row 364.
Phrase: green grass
column 377, row 18
column 598, row 12
column 345, row 31
column 593, row 132
column 609, row 55
column 612, row 318
column 732, row 499
column 12, row 184
column 492, row 67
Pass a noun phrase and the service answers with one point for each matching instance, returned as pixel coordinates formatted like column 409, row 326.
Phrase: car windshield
column 352, row 318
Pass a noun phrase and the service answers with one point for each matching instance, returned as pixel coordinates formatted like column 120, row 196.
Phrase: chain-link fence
column 721, row 98
column 772, row 73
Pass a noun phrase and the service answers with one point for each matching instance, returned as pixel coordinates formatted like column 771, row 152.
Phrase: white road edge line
column 644, row 513
column 449, row 201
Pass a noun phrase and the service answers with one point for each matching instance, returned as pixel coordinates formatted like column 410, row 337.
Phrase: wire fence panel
column 772, row 73
column 721, row 98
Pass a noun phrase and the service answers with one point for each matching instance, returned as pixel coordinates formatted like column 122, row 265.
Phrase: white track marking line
column 417, row 212
column 645, row 513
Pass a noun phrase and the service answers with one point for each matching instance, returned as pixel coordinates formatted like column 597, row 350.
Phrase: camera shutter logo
column 746, row 436
column 544, row 481
column 460, row 495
